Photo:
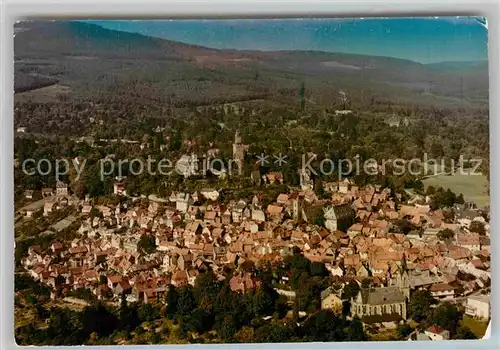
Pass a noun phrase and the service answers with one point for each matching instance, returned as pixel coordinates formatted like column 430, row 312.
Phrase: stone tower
column 238, row 149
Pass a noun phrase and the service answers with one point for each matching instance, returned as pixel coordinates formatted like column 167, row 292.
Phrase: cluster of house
column 356, row 233
column 52, row 199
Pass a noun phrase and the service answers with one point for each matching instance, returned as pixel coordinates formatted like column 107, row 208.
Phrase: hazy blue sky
column 419, row 39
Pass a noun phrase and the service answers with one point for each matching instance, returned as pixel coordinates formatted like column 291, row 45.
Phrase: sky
column 424, row 39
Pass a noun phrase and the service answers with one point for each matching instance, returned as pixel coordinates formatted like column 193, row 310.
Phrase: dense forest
column 176, row 98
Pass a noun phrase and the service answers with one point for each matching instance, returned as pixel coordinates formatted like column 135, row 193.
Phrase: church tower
column 404, row 284
column 403, row 279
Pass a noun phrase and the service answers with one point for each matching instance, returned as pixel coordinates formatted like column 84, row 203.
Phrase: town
column 175, row 193
column 366, row 236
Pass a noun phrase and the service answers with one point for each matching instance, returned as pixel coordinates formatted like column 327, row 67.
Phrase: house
column 155, row 293
column 431, row 233
column 122, row 287
column 335, row 270
column 131, row 245
column 47, row 192
column 113, row 281
column 182, row 202
column 210, row 217
column 243, row 283
column 48, row 207
column 476, row 268
column 29, row 212
column 338, row 217
column 274, row 176
column 86, row 209
column 61, row 189
column 354, row 230
column 274, row 210
column 180, row 278
column 56, row 247
column 330, row 299
column 478, row 306
column 437, row 333
column 119, row 189
column 282, row 199
column 362, row 272
column 344, row 186
column 258, row 215
column 442, row 291
column 470, row 242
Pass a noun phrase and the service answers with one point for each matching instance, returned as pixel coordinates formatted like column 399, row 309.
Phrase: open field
column 473, row 187
column 477, row 327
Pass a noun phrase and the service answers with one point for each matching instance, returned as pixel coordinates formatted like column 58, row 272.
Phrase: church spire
column 404, row 267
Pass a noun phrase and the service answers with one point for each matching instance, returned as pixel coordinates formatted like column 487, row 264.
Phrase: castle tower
column 238, row 150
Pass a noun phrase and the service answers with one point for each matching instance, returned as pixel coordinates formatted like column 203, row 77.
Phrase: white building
column 478, row 306
column 187, row 166
column 61, row 189
column 442, row 291
column 210, row 194
column 437, row 333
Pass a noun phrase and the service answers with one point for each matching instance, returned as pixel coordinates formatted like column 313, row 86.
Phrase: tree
column 355, row 331
column 79, row 189
column 147, row 312
column 366, row 283
column 320, row 191
column 186, row 302
column 318, row 269
column 274, row 333
column 447, row 316
column 404, row 330
column 430, row 190
column 445, row 234
column 325, row 326
column 172, row 298
column 103, row 279
column 227, row 328
column 420, row 305
column 351, row 290
column 199, row 214
column 264, row 300
column 478, row 227
column 346, row 308
column 97, row 318
column 147, row 244
column 200, row 321
column 128, row 317
column 464, row 332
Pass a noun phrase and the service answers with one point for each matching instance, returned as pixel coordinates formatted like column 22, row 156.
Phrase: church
column 385, row 301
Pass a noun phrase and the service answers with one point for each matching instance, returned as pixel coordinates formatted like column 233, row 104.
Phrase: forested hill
column 87, row 59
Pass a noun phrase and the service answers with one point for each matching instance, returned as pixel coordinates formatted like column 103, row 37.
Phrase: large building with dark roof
column 384, row 302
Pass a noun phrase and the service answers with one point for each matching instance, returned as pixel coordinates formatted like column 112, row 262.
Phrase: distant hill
column 462, row 68
column 91, row 59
